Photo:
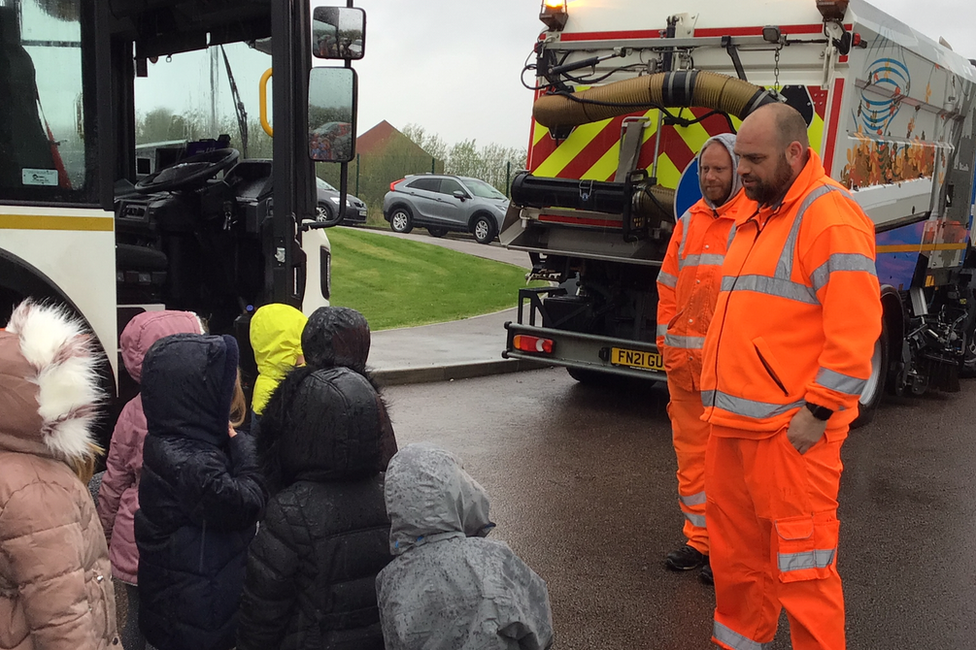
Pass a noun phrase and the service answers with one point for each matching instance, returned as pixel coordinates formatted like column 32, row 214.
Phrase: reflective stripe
column 685, row 221
column 817, row 559
column 728, row 244
column 667, row 279
column 710, row 259
column 687, row 342
column 841, row 262
column 735, row 640
column 840, row 383
column 693, row 499
column 696, row 520
column 662, row 330
column 771, row 286
column 745, row 407
column 784, row 267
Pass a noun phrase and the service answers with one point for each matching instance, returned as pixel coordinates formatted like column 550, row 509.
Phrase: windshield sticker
column 47, row 177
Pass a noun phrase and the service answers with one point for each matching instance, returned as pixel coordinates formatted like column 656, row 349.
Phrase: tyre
column 325, row 213
column 870, row 398
column 435, row 231
column 588, row 377
column 484, row 229
column 401, row 220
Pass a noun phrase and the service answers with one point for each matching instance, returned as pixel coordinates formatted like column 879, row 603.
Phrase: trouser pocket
column 806, row 547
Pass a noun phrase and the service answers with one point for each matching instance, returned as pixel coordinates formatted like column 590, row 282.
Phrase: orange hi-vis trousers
column 772, row 521
column 690, row 438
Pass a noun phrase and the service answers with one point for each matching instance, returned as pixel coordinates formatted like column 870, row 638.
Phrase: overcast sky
column 453, row 66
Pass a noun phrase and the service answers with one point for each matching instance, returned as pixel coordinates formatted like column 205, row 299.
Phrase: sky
column 454, row 67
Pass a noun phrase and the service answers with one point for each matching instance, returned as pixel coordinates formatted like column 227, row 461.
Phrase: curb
column 402, row 376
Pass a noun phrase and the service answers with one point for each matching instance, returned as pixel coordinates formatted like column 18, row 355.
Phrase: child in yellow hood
column 276, row 338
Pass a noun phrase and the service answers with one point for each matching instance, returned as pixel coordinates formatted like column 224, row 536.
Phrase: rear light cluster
column 532, row 344
column 394, row 183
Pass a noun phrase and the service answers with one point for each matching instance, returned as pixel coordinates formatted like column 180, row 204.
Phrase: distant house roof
column 380, row 137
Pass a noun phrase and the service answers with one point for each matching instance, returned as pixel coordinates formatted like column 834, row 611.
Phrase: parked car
column 443, row 203
column 328, row 203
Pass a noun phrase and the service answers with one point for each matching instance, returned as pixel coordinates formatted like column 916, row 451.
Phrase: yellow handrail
column 263, row 102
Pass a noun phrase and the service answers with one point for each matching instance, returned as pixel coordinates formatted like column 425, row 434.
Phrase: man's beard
column 765, row 192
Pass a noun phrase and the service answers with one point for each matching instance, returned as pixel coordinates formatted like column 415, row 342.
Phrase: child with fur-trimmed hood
column 55, row 578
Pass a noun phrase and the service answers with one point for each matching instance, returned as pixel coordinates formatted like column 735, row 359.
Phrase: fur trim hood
column 49, row 385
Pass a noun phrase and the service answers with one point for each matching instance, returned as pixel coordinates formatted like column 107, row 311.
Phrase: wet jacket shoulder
column 200, row 496
column 447, row 587
column 55, row 581
column 312, row 568
column 118, row 496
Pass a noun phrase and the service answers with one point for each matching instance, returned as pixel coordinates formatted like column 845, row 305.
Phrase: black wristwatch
column 822, row 413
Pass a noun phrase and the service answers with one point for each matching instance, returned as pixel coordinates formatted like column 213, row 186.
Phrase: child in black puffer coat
column 323, row 444
column 200, row 495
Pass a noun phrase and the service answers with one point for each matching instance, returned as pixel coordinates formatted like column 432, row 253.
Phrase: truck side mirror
column 332, row 114
column 338, row 32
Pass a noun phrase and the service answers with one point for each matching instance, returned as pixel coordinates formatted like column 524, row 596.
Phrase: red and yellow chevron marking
column 592, row 150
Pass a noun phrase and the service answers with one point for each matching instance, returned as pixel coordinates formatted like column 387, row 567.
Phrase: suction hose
column 684, row 88
column 653, row 202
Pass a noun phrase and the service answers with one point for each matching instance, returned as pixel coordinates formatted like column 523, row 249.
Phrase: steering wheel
column 190, row 172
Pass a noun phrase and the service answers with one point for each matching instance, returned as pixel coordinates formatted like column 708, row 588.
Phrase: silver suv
column 442, row 203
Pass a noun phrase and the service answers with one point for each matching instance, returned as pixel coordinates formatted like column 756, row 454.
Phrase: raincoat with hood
column 339, row 336
column 447, row 587
column 688, row 287
column 199, row 497
column 55, row 579
column 275, row 333
column 312, row 567
column 118, row 496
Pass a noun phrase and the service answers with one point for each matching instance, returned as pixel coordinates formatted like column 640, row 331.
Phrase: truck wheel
column 868, row 403
column 588, row 377
column 401, row 220
column 484, row 229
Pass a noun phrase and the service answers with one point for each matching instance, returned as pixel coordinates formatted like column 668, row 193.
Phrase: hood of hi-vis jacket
column 727, row 140
column 276, row 338
column 799, row 310
column 690, row 277
column 430, row 497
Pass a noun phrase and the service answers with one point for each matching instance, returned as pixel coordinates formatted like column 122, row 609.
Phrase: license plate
column 636, row 359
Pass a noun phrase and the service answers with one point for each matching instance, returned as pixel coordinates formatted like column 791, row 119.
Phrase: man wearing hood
column 688, row 287
column 447, row 587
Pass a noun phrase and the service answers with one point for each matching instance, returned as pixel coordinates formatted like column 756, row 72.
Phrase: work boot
column 685, row 558
column 706, row 573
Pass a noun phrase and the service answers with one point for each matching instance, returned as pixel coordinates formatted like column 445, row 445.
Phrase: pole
column 508, row 179
column 357, row 174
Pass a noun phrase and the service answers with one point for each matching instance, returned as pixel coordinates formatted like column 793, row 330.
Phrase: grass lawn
column 400, row 283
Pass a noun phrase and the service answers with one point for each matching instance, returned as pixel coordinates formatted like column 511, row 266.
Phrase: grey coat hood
column 429, row 497
column 728, row 141
column 447, row 587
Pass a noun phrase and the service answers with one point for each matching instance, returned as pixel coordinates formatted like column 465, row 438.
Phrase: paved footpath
column 455, row 350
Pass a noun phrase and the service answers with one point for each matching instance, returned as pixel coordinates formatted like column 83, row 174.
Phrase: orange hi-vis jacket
column 799, row 310
column 688, row 285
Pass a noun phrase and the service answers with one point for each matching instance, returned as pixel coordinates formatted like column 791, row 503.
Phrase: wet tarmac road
column 582, row 487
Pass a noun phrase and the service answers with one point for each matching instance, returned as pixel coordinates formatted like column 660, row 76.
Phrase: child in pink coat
column 118, row 496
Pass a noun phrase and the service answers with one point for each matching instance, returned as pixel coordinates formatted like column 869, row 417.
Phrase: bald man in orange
column 785, row 360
